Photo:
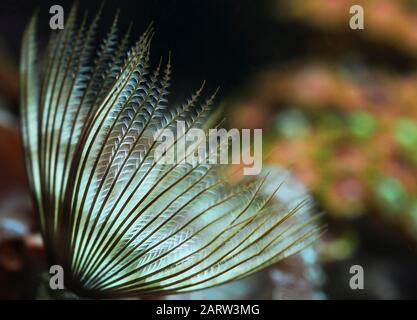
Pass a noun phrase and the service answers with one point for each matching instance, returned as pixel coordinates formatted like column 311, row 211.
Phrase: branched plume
column 119, row 222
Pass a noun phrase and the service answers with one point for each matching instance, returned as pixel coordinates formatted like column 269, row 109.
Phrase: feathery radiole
column 119, row 222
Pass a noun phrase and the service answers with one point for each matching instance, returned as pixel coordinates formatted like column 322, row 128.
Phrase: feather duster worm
column 117, row 221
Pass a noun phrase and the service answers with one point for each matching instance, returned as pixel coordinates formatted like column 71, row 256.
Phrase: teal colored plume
column 118, row 222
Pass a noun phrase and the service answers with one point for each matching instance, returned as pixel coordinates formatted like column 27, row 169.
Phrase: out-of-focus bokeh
column 338, row 108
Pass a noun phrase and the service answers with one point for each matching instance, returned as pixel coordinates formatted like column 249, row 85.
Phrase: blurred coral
column 347, row 127
column 353, row 142
column 21, row 249
column 388, row 22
